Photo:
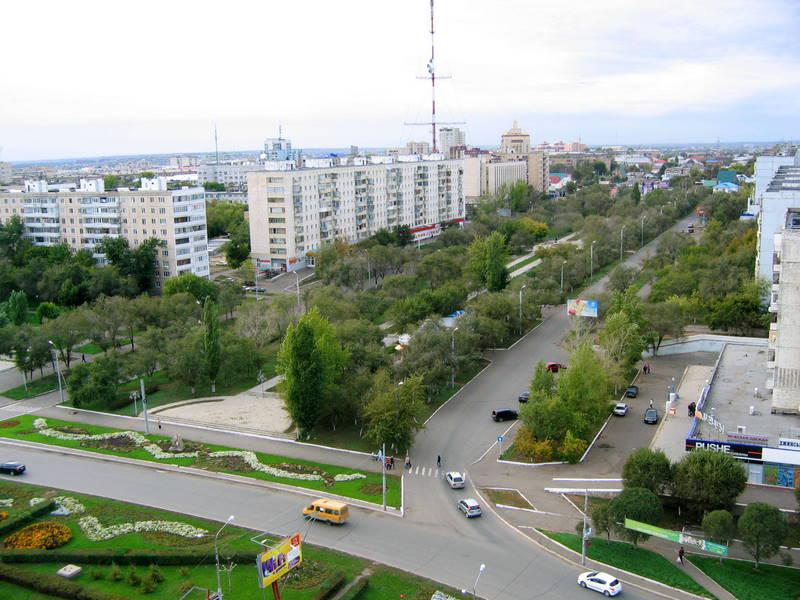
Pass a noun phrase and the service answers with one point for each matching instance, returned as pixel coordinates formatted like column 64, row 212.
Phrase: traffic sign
column 499, row 439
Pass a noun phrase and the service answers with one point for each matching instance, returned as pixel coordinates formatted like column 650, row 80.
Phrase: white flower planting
column 35, row 501
column 437, row 595
column 138, row 439
column 96, row 532
column 71, row 504
column 6, row 502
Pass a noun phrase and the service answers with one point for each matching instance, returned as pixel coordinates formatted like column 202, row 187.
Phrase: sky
column 88, row 78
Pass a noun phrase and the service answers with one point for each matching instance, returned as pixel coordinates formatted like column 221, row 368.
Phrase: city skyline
column 620, row 74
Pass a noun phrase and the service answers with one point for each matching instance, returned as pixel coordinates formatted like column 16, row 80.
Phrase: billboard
column 279, row 560
column 582, row 308
column 677, row 537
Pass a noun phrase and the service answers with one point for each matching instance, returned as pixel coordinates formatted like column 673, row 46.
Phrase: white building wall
column 786, row 346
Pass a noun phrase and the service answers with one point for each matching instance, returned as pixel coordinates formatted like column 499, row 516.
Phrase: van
column 327, row 510
column 504, row 414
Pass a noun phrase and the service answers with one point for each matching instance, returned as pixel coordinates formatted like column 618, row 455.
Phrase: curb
column 363, row 504
column 571, row 562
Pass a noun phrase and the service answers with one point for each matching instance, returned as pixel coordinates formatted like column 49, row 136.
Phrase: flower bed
column 39, row 536
column 96, row 532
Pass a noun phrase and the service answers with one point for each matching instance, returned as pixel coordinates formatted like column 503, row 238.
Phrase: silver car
column 470, row 507
column 454, row 480
column 621, row 409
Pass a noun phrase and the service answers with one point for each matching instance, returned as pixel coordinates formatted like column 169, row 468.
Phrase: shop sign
column 789, row 443
column 749, row 438
column 736, row 450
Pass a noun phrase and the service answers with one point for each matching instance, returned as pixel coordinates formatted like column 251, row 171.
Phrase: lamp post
column 584, row 535
column 643, row 218
column 297, row 287
column 591, row 259
column 621, row 241
column 58, row 372
column 475, row 585
column 368, row 265
column 453, row 357
column 216, row 555
column 562, row 276
column 520, row 308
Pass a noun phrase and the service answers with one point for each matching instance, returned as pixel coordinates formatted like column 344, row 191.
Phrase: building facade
column 515, row 142
column 539, row 171
column 450, row 137
column 6, row 172
column 294, row 211
column 85, row 215
column 233, row 174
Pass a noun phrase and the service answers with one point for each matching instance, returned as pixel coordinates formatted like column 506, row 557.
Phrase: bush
column 51, row 585
column 111, row 556
column 184, row 572
column 133, row 577
column 156, row 573
column 186, row 586
column 572, row 448
column 26, row 517
column 709, row 480
column 39, row 536
column 96, row 574
column 649, row 469
column 639, row 504
column 149, row 584
column 116, row 572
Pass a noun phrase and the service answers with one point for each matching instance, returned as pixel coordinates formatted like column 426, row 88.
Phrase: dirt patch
column 7, row 424
column 371, row 489
column 71, row 429
column 507, row 497
column 117, row 444
column 226, row 463
column 308, row 575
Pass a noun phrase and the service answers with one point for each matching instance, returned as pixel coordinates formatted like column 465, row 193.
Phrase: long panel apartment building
column 82, row 216
column 294, row 210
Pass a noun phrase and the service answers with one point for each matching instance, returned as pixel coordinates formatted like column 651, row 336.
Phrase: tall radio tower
column 432, row 76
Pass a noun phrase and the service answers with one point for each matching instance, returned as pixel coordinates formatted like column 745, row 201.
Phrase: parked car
column 524, row 396
column 632, row 391
column 690, row 228
column 555, row 367
column 651, row 416
column 470, row 507
column 606, row 584
column 504, row 414
column 454, row 480
column 621, row 409
column 12, row 468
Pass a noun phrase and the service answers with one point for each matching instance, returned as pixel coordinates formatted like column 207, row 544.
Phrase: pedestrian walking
column 387, row 463
column 680, row 555
column 438, row 462
column 83, row 358
column 651, row 403
column 391, row 464
column 408, row 461
column 159, row 423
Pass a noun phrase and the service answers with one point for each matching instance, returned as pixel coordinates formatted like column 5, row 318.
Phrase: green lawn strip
column 15, row 592
column 390, row 584
column 522, row 263
column 634, row 560
column 45, row 384
column 368, row 489
column 90, row 348
column 746, row 583
column 507, row 497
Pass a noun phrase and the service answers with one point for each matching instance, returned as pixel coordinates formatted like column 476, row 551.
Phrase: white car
column 621, row 409
column 454, row 480
column 606, row 584
column 470, row 507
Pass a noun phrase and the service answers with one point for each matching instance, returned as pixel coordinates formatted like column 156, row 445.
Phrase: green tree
column 95, row 383
column 719, row 526
column 621, row 278
column 544, row 380
column 66, row 331
column 636, row 194
column 602, row 520
column 17, row 307
column 152, row 347
column 223, row 218
column 762, row 529
column 213, row 186
column 709, row 480
column 237, row 250
column 622, row 339
column 185, row 360
column 229, row 296
column 649, row 469
column 139, row 263
column 487, row 258
column 45, row 311
column 638, row 504
column 395, row 412
column 664, row 319
column 302, row 367
column 111, row 182
column 583, row 388
column 403, row 235
column 199, row 287
column 211, row 347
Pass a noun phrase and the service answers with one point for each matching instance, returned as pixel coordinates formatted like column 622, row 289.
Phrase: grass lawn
column 522, row 263
column 634, row 560
column 45, row 384
column 507, row 497
column 90, row 348
column 368, row 489
column 743, row 581
column 319, row 564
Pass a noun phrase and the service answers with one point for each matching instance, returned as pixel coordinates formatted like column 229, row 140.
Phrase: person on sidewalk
column 680, row 555
column 83, row 358
column 438, row 461
column 391, row 463
column 408, row 461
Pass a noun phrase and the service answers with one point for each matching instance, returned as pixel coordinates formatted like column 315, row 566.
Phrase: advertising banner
column 746, row 451
column 582, row 308
column 677, row 537
column 279, row 560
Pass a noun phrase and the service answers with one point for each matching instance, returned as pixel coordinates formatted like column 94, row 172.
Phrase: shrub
column 96, row 574
column 639, row 504
column 149, row 584
column 329, row 587
column 649, row 469
column 51, row 585
column 39, row 536
column 184, row 572
column 572, row 448
column 156, row 573
column 3, row 515
column 134, row 579
column 186, row 586
column 116, row 572
column 719, row 526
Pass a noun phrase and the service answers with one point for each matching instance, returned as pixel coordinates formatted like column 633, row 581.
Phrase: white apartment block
column 783, row 360
column 484, row 175
column 82, row 217
column 6, row 172
column 295, row 211
column 231, row 173
column 450, row 137
column 770, row 202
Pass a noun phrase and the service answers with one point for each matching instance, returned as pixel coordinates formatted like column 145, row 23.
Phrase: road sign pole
column 583, row 536
column 383, row 478
column 144, row 407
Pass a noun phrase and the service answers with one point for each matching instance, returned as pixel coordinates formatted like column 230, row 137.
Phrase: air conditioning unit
column 741, row 429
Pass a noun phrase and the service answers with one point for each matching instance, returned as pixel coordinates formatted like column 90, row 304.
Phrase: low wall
column 706, row 342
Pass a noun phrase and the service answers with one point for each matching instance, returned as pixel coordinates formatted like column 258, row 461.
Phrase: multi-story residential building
column 231, row 173
column 294, row 210
column 183, row 162
column 83, row 216
column 515, row 142
column 421, row 148
column 764, row 173
column 450, row 137
column 484, row 176
column 6, row 172
column 779, row 195
column 783, row 360
column 539, row 171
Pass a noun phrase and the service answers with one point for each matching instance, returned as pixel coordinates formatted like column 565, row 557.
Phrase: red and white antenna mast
column 432, row 76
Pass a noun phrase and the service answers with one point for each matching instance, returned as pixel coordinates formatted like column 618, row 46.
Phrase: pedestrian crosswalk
column 426, row 471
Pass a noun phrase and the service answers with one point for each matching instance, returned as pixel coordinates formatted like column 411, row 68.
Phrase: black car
column 524, row 396
column 504, row 414
column 12, row 468
column 632, row 391
column 651, row 416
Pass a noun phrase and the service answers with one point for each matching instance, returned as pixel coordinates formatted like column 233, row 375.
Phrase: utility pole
column 58, row 372
column 643, row 218
column 621, row 240
column 216, row 145
column 591, row 259
column 383, row 474
column 562, row 276
column 297, row 287
column 584, row 536
column 453, row 356
column 520, row 308
column 144, row 407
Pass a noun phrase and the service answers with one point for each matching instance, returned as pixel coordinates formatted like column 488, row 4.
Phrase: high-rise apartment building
column 296, row 210
column 515, row 142
column 539, row 171
column 421, row 148
column 6, row 172
column 82, row 216
column 450, row 137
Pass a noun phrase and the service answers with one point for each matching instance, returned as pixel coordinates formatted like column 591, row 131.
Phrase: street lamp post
column 591, row 259
column 216, row 555
column 643, row 218
column 562, row 276
column 297, row 287
column 453, row 357
column 58, row 372
column 584, row 535
column 621, row 241
column 475, row 585
column 369, row 270
column 520, row 308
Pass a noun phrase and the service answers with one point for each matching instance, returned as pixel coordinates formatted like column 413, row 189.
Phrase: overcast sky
column 87, row 78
